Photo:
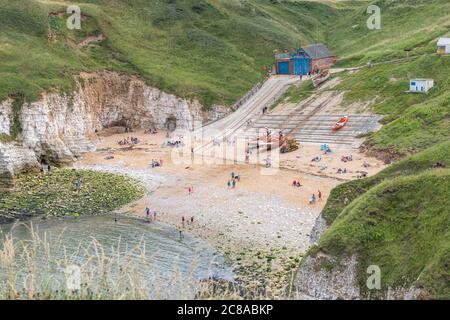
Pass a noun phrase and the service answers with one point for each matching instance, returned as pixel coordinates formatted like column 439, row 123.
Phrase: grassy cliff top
column 212, row 50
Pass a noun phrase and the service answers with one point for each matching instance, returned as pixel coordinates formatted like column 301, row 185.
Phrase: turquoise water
column 169, row 268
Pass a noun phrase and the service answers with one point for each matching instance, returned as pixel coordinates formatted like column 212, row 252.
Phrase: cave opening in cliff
column 171, row 123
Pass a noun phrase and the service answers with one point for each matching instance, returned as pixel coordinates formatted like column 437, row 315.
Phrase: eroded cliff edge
column 60, row 127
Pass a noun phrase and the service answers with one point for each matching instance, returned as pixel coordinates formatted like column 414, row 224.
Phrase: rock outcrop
column 323, row 277
column 60, row 127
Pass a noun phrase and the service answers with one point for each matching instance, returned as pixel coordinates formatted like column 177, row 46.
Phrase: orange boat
column 341, row 123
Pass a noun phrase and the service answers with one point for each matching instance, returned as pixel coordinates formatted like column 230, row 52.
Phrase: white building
column 421, row 85
column 443, row 46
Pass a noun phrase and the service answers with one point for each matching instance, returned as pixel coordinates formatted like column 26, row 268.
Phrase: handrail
column 242, row 100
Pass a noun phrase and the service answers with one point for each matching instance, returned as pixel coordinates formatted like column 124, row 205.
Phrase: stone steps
column 315, row 128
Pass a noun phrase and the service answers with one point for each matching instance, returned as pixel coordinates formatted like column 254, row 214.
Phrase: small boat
column 341, row 123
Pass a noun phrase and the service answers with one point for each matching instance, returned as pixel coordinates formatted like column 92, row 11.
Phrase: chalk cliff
column 60, row 127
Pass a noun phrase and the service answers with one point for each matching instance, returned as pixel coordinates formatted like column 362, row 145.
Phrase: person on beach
column 234, row 183
column 229, row 184
column 313, row 199
column 154, row 215
column 181, row 234
column 192, row 220
column 182, row 220
column 147, row 212
column 319, row 195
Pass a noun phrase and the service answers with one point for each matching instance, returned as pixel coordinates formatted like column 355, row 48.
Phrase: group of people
column 129, row 141
column 150, row 214
column 45, row 167
column 235, row 178
column 184, row 221
column 78, row 183
column 151, row 131
column 296, row 184
column 342, row 171
column 188, row 221
column 73, row 216
column 155, row 163
column 347, row 158
column 315, row 198
column 216, row 142
column 362, row 174
column 175, row 143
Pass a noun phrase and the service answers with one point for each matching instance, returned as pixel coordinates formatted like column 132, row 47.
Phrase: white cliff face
column 317, row 281
column 5, row 116
column 14, row 159
column 59, row 127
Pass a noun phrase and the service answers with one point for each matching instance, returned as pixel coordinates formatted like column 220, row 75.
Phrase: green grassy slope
column 412, row 121
column 213, row 50
column 398, row 220
column 405, row 24
column 209, row 49
column 412, row 165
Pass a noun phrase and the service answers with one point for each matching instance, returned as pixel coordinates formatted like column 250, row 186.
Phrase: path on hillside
column 339, row 70
column 227, row 127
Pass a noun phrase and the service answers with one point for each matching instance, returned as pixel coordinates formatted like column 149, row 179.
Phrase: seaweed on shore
column 67, row 192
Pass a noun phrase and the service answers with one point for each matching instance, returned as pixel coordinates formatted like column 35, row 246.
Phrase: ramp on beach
column 236, row 122
column 311, row 120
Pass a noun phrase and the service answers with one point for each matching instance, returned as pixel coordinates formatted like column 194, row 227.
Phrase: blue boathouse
column 309, row 59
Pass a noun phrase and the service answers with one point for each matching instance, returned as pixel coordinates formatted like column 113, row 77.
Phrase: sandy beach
column 262, row 226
